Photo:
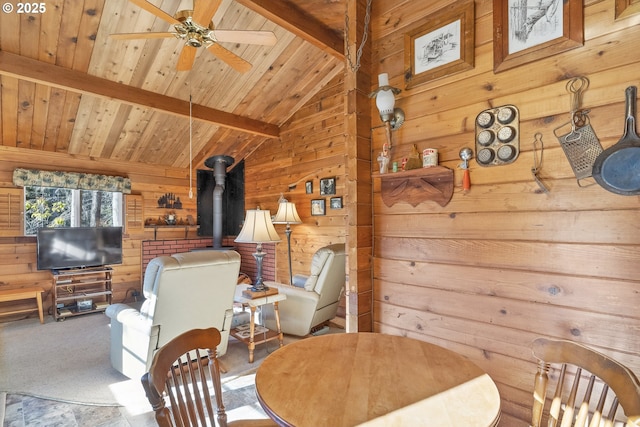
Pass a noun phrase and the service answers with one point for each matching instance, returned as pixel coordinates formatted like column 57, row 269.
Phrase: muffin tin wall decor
column 498, row 136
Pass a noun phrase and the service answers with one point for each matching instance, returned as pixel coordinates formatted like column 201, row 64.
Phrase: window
column 65, row 207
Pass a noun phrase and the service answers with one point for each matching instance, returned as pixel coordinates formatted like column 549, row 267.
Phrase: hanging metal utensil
column 580, row 143
column 538, row 145
column 617, row 169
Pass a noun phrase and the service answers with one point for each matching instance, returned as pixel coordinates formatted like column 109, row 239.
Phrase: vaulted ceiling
column 67, row 86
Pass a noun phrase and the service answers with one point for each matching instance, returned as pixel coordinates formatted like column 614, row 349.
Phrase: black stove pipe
column 219, row 165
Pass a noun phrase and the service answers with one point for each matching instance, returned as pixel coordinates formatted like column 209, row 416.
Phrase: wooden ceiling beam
column 299, row 23
column 51, row 75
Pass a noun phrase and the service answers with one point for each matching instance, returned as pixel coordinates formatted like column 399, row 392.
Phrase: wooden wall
column 503, row 264
column 18, row 255
column 311, row 148
column 499, row 265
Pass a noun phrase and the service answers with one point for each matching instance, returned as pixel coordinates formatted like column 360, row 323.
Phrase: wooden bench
column 20, row 294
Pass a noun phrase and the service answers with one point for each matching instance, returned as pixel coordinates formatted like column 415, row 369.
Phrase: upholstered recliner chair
column 313, row 299
column 184, row 291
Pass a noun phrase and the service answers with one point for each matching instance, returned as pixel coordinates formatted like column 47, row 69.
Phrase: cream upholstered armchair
column 184, row 291
column 312, row 299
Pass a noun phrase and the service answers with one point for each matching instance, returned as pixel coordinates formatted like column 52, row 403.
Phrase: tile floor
column 26, row 411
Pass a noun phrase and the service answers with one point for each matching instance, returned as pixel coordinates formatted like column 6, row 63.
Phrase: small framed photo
column 335, row 203
column 318, row 207
column 327, row 186
column 308, row 187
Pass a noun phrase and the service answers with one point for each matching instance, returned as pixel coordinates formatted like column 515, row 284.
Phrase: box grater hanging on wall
column 498, row 136
column 577, row 138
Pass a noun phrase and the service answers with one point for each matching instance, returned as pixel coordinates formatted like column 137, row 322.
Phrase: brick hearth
column 155, row 248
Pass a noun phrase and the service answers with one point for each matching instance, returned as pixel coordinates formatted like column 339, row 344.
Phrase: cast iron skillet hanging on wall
column 617, row 169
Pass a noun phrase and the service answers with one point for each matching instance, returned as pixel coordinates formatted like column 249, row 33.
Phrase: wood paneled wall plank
column 605, row 330
column 607, row 261
column 9, row 110
column 26, row 99
column 534, row 226
column 542, row 287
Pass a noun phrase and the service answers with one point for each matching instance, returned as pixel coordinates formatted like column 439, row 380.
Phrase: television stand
column 80, row 291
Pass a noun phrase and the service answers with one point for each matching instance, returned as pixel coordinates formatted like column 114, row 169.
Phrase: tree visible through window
column 63, row 207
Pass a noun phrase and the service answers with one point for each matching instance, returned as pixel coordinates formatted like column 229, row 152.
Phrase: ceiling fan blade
column 187, row 56
column 128, row 36
column 266, row 38
column 155, row 10
column 230, row 58
column 203, row 11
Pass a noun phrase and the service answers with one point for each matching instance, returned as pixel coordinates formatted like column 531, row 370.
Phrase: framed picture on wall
column 327, row 186
column 318, row 207
column 441, row 47
column 524, row 31
column 335, row 203
column 308, row 187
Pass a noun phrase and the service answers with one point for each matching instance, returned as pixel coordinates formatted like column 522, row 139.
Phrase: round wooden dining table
column 374, row 379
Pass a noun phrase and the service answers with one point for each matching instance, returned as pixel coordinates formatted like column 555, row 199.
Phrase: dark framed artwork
column 318, row 207
column 524, row 31
column 441, row 47
column 327, row 186
column 335, row 203
column 308, row 187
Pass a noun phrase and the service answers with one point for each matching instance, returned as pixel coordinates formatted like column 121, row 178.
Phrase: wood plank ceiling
column 66, row 86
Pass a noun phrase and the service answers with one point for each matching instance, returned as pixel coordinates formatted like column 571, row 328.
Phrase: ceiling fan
column 188, row 27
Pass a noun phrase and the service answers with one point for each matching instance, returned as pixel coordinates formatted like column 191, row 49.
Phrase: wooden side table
column 254, row 303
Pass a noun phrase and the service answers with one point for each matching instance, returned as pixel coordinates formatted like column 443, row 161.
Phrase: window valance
column 81, row 181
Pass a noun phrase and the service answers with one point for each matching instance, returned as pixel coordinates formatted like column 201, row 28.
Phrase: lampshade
column 257, row 228
column 287, row 214
column 385, row 99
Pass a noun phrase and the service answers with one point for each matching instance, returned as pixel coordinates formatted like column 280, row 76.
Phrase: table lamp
column 258, row 228
column 287, row 214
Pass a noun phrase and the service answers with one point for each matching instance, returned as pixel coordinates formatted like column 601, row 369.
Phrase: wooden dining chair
column 617, row 385
column 179, row 374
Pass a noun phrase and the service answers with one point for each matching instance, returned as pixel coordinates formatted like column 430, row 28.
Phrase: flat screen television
column 78, row 247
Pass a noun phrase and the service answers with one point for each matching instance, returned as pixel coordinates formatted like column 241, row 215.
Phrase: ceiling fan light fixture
column 194, row 40
column 181, row 30
column 196, row 35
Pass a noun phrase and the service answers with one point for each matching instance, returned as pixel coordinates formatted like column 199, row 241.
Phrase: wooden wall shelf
column 417, row 185
column 186, row 228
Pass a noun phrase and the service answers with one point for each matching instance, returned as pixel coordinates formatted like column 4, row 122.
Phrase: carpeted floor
column 59, row 374
column 69, row 361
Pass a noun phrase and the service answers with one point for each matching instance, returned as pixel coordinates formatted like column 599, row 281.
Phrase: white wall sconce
column 385, row 101
column 391, row 116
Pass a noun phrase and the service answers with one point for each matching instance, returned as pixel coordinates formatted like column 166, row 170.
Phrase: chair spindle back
column 613, row 383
